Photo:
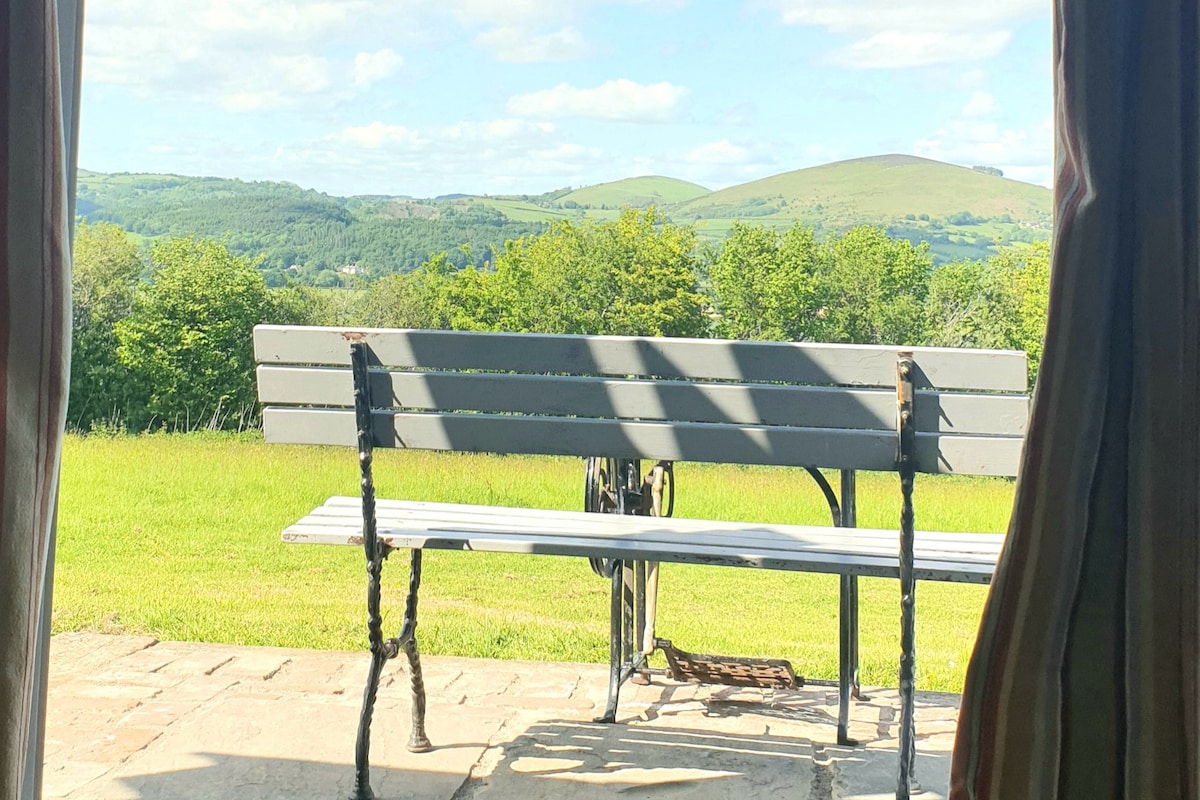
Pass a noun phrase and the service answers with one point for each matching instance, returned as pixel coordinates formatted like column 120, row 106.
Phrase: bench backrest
column 793, row 404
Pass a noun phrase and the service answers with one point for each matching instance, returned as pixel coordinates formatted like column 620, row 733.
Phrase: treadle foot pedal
column 765, row 673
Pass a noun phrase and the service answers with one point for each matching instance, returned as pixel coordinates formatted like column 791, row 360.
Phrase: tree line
column 162, row 337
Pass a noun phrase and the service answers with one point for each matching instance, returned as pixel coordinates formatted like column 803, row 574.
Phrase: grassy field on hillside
column 178, row 537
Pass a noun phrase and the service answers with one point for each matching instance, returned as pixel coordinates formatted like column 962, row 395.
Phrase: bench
column 617, row 401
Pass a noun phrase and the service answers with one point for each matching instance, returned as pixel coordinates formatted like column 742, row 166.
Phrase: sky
column 433, row 97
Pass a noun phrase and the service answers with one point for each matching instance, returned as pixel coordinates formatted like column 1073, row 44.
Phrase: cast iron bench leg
column 847, row 656
column 616, row 636
column 848, row 686
column 906, row 463
column 418, row 742
column 376, row 552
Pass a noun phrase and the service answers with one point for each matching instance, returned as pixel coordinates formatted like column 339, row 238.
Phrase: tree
column 872, row 288
column 969, row 306
column 437, row 295
column 634, row 275
column 764, row 283
column 1000, row 303
column 188, row 336
column 1027, row 269
column 106, row 269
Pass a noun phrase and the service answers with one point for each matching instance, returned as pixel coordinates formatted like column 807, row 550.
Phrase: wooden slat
column 576, row 534
column 346, row 506
column 863, row 365
column 755, row 404
column 836, row 449
column 346, row 513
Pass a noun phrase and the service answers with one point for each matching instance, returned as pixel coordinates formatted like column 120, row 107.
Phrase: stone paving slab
column 130, row 718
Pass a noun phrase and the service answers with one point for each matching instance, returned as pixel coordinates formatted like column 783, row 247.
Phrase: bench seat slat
column 678, row 400
column 339, row 510
column 833, row 449
column 804, row 548
column 792, row 362
column 668, row 537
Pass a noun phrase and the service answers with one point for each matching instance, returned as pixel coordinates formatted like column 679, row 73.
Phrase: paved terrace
column 131, row 717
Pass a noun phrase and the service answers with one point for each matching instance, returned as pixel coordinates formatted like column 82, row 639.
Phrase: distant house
column 351, row 269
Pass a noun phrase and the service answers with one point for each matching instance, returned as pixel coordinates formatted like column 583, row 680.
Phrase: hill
column 301, row 233
column 960, row 211
column 648, row 190
column 314, row 237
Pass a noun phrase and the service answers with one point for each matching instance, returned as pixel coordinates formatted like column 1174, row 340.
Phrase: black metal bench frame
column 628, row 576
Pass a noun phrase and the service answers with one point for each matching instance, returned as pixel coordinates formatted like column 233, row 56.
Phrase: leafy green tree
column 998, row 303
column 106, row 269
column 298, row 304
column 962, row 305
column 764, row 283
column 1027, row 270
column 633, row 275
column 871, row 288
column 437, row 295
column 188, row 335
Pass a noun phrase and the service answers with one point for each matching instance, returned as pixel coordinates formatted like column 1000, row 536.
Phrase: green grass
column 523, row 211
column 178, row 537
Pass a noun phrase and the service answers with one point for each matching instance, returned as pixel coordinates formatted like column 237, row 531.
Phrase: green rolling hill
column 308, row 235
column 961, row 212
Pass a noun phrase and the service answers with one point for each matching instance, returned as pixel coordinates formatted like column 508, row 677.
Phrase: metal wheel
column 600, row 497
column 610, row 486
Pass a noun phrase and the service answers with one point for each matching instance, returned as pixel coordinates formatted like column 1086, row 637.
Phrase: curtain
column 1083, row 683
column 39, row 80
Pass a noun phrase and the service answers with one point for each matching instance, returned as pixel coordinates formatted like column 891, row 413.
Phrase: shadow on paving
column 568, row 759
column 564, row 759
column 235, row 777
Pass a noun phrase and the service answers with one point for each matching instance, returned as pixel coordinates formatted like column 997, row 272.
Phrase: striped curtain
column 1084, row 679
column 39, row 42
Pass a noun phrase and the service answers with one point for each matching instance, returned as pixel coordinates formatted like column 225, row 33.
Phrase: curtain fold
column 37, row 135
column 1083, row 683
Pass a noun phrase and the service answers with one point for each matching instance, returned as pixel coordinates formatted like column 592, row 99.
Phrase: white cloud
column 897, row 49
column 243, row 102
column 485, row 155
column 908, row 33
column 853, row 16
column 533, row 31
column 517, row 45
column 372, row 67
column 975, row 137
column 245, row 55
column 617, row 100
column 377, row 135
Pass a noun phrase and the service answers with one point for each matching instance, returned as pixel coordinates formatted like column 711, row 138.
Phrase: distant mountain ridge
column 307, row 235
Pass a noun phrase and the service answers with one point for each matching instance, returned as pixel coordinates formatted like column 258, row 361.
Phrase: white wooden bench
column 617, row 400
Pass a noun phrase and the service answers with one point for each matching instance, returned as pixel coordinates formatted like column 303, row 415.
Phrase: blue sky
column 428, row 97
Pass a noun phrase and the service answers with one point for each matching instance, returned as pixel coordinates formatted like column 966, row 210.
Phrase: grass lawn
column 178, row 537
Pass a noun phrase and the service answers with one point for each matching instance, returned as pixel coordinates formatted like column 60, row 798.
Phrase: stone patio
column 130, row 717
